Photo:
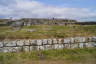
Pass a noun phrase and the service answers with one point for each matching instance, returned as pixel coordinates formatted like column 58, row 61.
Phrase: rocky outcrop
column 28, row 45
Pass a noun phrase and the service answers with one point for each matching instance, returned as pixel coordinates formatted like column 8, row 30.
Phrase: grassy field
column 46, row 31
column 64, row 56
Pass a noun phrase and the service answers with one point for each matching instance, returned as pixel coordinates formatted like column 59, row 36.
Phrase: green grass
column 74, row 55
column 46, row 31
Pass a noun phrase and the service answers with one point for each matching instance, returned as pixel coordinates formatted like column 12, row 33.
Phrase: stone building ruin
column 42, row 21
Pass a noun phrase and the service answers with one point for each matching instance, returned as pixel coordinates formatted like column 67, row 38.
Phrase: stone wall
column 27, row 45
column 38, row 21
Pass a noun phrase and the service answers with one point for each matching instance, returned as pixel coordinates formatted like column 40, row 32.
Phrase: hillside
column 47, row 31
column 63, row 56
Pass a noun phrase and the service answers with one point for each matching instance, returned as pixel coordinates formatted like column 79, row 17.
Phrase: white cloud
column 26, row 8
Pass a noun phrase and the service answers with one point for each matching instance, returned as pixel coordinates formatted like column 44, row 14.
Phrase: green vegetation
column 47, row 31
column 82, row 56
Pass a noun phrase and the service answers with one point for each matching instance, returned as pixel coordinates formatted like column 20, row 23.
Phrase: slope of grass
column 83, row 56
column 46, row 31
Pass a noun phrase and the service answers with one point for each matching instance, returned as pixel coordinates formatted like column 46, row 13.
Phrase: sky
column 82, row 10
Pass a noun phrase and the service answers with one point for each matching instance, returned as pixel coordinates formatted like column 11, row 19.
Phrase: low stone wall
column 27, row 45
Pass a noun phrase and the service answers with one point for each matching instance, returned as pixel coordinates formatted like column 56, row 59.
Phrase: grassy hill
column 47, row 31
column 64, row 56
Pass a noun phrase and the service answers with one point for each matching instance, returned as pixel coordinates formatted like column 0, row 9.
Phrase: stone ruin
column 27, row 45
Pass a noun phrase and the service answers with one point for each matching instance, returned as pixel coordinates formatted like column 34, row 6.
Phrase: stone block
column 1, row 44
column 80, row 39
column 75, row 45
column 39, row 42
column 81, row 45
column 60, row 41
column 41, row 48
column 20, row 42
column 93, row 39
column 90, row 44
column 11, row 49
column 1, row 49
column 72, row 40
column 33, row 42
column 34, row 48
column 45, row 41
column 50, row 41
column 55, row 46
column 86, row 44
column 26, row 48
column 93, row 44
column 55, row 41
column 27, row 42
column 47, row 47
column 67, row 40
column 67, row 45
column 60, row 46
column 89, row 39
column 10, row 43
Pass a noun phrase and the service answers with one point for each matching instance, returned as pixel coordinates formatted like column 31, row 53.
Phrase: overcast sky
column 72, row 9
